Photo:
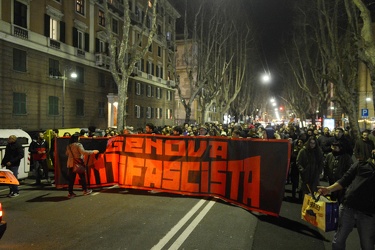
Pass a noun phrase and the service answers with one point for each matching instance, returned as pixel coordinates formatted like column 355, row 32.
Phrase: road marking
column 178, row 226
column 181, row 239
column 181, row 223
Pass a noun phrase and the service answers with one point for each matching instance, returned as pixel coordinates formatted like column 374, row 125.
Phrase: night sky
column 272, row 21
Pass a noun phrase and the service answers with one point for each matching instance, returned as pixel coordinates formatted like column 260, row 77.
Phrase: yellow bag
column 320, row 212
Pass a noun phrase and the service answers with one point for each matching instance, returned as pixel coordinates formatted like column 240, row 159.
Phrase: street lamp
column 266, row 77
column 64, row 78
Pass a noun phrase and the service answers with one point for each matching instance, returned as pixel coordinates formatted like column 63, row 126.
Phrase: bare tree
column 215, row 57
column 299, row 101
column 121, row 46
column 333, row 59
column 337, row 35
column 234, row 82
column 216, row 64
column 367, row 42
column 304, row 89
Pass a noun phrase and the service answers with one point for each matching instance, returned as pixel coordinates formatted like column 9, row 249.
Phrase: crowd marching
column 347, row 164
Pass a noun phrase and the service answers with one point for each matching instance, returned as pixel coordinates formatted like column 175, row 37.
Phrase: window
column 101, row 108
column 101, row 80
column 19, row 60
column 20, row 14
column 159, row 51
column 139, row 39
column 149, row 112
column 169, row 36
column 138, row 88
column 137, row 111
column 149, row 68
column 148, row 22
column 143, row 65
column 114, row 26
column 80, row 39
column 112, row 85
column 101, row 18
column 168, row 114
column 158, row 112
column 158, row 93
column 150, row 48
column 101, row 46
column 53, row 105
column 130, row 87
column 149, row 90
column 80, row 107
column 53, row 29
column 80, row 74
column 19, row 103
column 80, row 7
column 159, row 71
column 54, row 66
column 169, row 95
column 138, row 14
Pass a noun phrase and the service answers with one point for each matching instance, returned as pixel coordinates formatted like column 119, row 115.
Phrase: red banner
column 246, row 172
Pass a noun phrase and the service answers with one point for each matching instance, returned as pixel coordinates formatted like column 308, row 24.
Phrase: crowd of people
column 346, row 163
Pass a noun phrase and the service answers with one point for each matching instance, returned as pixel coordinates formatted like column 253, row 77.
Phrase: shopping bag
column 320, row 212
column 79, row 166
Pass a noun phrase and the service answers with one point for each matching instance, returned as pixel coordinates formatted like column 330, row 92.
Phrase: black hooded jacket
column 13, row 154
column 360, row 180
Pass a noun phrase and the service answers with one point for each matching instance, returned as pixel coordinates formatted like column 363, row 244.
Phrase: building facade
column 42, row 42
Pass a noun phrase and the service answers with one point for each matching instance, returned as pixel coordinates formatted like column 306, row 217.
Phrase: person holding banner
column 310, row 164
column 358, row 206
column 76, row 150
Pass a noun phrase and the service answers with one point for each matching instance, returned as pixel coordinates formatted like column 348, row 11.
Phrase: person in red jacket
column 39, row 150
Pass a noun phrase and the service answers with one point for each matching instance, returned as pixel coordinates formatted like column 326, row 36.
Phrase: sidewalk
column 289, row 231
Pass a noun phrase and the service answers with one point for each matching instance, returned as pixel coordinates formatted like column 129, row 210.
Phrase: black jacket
column 336, row 165
column 360, row 180
column 13, row 154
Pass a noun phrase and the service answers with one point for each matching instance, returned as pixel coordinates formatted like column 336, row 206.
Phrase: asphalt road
column 113, row 218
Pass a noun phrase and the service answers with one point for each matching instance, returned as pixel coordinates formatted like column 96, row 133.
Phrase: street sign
column 364, row 113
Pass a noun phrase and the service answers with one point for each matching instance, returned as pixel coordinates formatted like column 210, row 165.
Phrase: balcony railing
column 20, row 32
column 54, row 44
column 80, row 52
column 102, row 60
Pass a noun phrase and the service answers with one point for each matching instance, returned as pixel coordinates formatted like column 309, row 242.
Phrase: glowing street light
column 266, row 78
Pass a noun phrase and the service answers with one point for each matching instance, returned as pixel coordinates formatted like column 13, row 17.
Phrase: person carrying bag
column 358, row 206
column 75, row 152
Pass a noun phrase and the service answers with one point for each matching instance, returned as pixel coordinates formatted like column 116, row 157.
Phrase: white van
column 24, row 139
